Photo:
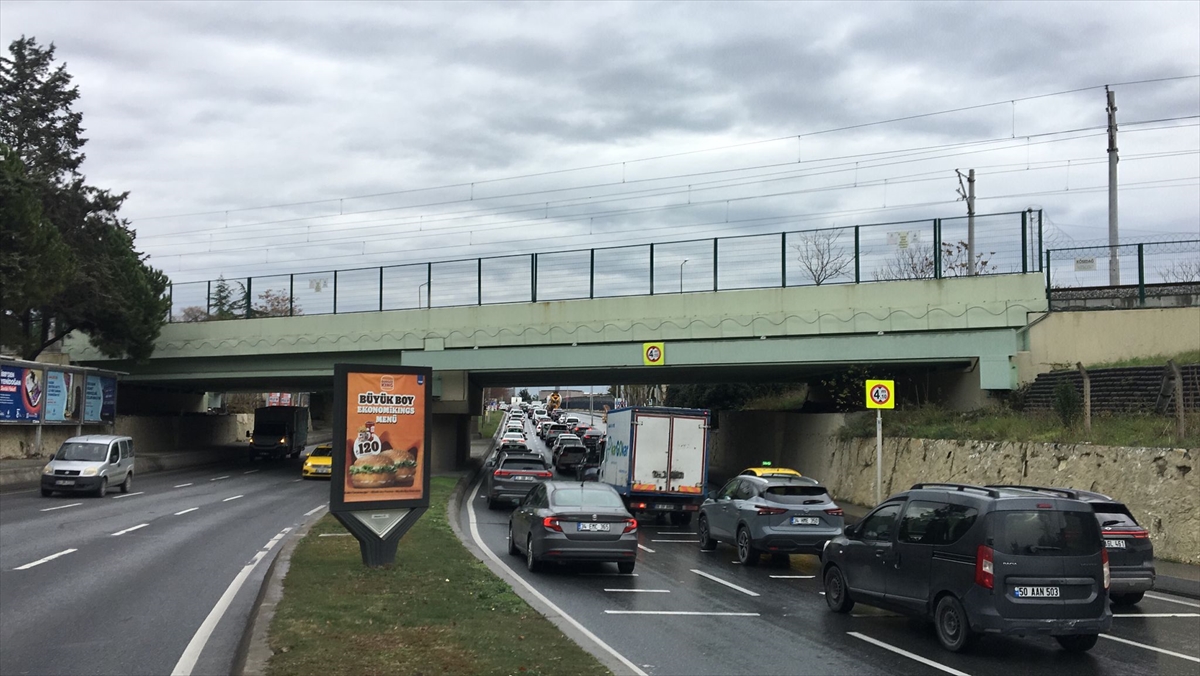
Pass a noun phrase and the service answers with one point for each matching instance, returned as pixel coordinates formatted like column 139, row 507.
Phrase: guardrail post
column 170, row 300
column 857, row 258
column 1141, row 275
column 429, row 285
column 381, row 288
column 783, row 259
column 533, row 278
column 652, row 268
column 249, row 296
column 479, row 282
column 335, row 292
column 1048, row 279
column 1024, row 241
column 208, row 300
column 592, row 276
column 291, row 295
column 715, row 247
column 937, row 249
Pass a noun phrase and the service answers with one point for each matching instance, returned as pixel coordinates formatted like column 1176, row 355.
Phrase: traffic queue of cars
column 1009, row 560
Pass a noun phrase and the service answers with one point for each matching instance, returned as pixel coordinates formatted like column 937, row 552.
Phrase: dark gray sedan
column 777, row 515
column 573, row 521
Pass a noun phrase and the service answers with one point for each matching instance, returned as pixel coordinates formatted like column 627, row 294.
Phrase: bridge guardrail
column 1146, row 274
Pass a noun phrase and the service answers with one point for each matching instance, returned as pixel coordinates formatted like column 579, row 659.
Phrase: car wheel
column 103, row 489
column 1078, row 643
column 127, row 484
column 707, row 543
column 46, row 492
column 837, row 596
column 512, row 542
column 1128, row 599
column 625, row 567
column 531, row 562
column 747, row 554
column 950, row 621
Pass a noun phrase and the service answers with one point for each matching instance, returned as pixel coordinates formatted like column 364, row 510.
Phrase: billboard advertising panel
column 22, row 391
column 100, row 399
column 64, row 396
column 384, row 447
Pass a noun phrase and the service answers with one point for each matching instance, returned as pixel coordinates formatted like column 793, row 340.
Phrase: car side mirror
column 851, row 532
column 712, row 495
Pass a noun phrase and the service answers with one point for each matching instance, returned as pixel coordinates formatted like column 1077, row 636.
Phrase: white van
column 91, row 464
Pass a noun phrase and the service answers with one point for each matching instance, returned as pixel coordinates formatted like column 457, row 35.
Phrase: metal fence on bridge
column 1147, row 274
column 1005, row 243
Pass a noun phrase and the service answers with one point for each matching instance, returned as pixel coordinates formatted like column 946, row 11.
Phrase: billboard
column 100, row 399
column 22, row 391
column 64, row 396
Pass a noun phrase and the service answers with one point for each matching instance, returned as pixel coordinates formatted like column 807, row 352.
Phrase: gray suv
column 777, row 515
column 977, row 560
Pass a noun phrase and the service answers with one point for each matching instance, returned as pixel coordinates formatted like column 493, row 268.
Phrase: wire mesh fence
column 1155, row 274
column 927, row 249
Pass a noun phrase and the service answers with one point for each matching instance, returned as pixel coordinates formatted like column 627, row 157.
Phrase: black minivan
column 977, row 560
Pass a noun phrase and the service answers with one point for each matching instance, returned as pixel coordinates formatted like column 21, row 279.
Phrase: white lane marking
column 1172, row 653
column 1156, row 614
column 131, row 529
column 48, row 558
column 189, row 509
column 675, row 532
column 183, row 485
column 298, row 480
column 128, row 495
column 792, row 577
column 528, row 587
column 250, row 471
column 187, row 661
column 1150, row 596
column 731, row 585
column 875, row 615
column 644, row 548
column 640, row 591
column 314, row 510
column 607, row 574
column 678, row 612
column 335, row 535
column 684, row 541
column 51, row 509
column 911, row 656
column 233, row 498
column 219, row 478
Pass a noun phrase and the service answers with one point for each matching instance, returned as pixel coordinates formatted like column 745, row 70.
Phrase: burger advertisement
column 384, row 452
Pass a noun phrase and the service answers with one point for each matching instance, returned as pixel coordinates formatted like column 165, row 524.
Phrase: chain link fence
column 1147, row 274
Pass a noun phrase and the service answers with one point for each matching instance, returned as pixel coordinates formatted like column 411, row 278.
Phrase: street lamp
column 681, row 274
column 419, row 293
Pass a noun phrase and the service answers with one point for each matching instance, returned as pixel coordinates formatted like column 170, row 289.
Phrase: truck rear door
column 688, row 436
column 651, row 452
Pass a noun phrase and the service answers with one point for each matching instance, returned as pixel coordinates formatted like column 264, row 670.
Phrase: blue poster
column 93, row 399
column 21, row 393
column 64, row 397
column 108, row 409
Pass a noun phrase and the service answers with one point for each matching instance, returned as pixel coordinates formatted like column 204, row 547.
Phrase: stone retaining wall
column 151, row 433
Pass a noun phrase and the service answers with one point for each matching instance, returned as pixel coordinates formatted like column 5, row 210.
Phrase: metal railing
column 1146, row 274
column 1005, row 243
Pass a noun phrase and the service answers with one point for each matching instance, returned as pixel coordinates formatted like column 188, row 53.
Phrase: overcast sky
column 220, row 108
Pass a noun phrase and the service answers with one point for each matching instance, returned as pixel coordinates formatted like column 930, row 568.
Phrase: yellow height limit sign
column 881, row 394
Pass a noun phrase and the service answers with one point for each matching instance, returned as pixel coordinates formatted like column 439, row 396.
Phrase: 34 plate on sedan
column 1036, row 592
column 593, row 527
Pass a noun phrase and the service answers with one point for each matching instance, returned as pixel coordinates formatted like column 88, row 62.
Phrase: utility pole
column 1114, row 266
column 969, row 195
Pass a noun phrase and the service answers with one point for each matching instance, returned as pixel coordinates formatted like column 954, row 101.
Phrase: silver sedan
column 573, row 521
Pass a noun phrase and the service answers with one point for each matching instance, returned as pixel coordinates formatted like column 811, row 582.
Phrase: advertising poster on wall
column 100, row 399
column 58, row 392
column 381, row 458
column 22, row 391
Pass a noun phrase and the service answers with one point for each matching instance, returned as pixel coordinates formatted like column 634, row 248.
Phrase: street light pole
column 681, row 274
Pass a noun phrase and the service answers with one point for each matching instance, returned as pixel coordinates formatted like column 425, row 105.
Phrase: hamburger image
column 373, row 471
column 405, row 464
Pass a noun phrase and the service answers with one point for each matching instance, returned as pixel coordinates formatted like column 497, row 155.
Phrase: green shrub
column 1067, row 402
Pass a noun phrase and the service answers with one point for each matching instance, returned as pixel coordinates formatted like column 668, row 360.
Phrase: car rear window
column 795, row 495
column 1044, row 532
column 569, row 497
column 558, row 426
column 522, row 465
column 1114, row 514
column 321, row 452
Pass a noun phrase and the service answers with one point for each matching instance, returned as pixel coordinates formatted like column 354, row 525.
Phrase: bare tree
column 1181, row 272
column 192, row 313
column 276, row 304
column 955, row 263
column 821, row 257
column 912, row 262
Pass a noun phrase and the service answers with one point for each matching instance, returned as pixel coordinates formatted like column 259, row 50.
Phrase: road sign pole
column 878, row 456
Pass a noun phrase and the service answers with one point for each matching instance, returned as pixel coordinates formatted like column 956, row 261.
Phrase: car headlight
column 283, row 440
column 48, row 469
column 90, row 471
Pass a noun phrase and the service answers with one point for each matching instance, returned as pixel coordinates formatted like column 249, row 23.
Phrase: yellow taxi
column 767, row 470
column 319, row 463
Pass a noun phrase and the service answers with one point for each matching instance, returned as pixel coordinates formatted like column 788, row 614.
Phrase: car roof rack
column 1069, row 493
column 992, row 492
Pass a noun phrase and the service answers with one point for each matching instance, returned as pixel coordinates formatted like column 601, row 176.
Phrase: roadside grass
column 489, row 422
column 931, row 422
column 1190, row 357
column 437, row 610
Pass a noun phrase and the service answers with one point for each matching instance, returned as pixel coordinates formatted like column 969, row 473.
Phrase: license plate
column 323, row 470
column 805, row 521
column 593, row 527
column 1036, row 592
column 520, row 477
column 667, row 507
column 1114, row 544
column 65, row 482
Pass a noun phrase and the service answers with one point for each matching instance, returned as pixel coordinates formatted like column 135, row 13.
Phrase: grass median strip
column 438, row 610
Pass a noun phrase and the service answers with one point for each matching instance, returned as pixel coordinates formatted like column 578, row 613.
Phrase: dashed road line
column 335, row 535
column 640, row 591
column 607, row 574
column 1164, row 651
column 676, row 532
column 644, row 548
column 792, row 577
column 296, row 481
column 128, row 495
column 679, row 612
column 51, row 509
column 189, row 509
column 1156, row 614
column 250, row 471
column 731, row 585
column 233, row 498
column 1150, row 596
column 911, row 656
column 43, row 560
column 314, row 510
column 183, row 485
column 218, row 478
column 130, row 530
column 683, row 541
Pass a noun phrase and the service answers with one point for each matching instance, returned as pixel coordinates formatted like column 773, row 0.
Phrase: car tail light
column 1045, row 505
column 1139, row 534
column 836, row 511
column 638, row 505
column 983, row 567
column 502, row 472
column 1104, row 560
column 543, row 475
column 631, row 527
column 551, row 523
column 767, row 511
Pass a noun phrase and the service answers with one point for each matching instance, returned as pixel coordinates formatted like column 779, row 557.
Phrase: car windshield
column 1114, row 515
column 1044, row 532
column 522, row 464
column 76, row 450
column 578, row 497
column 270, row 429
column 321, row 452
column 793, row 495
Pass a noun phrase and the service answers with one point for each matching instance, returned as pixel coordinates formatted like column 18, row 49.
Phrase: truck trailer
column 279, row 432
column 657, row 459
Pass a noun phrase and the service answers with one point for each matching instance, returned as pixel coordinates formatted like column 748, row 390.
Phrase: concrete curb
column 254, row 650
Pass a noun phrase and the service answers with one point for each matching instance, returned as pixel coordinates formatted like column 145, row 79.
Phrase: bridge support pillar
column 451, row 441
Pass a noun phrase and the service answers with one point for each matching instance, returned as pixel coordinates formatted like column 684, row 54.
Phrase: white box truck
column 657, row 459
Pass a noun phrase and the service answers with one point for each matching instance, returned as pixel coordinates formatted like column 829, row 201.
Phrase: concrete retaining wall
column 151, row 434
column 1161, row 486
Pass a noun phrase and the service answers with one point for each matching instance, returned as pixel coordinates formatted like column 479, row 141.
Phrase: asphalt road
column 772, row 619
column 137, row 576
